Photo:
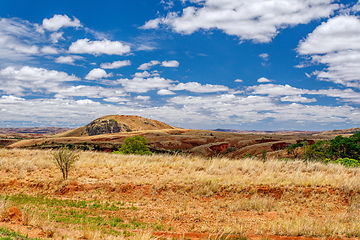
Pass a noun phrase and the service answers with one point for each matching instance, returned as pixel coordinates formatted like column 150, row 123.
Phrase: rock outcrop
column 105, row 126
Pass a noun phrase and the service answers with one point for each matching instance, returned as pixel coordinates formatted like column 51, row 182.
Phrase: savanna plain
column 159, row 196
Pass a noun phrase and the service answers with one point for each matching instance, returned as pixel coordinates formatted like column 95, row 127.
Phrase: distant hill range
column 34, row 130
column 109, row 132
column 284, row 132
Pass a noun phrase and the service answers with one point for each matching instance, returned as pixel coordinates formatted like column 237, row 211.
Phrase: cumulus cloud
column 116, row 99
column 199, row 88
column 143, row 98
column 97, row 73
column 68, row 59
column 147, row 66
column 142, row 85
column 172, row 63
column 238, row 81
column 335, row 43
column 297, row 98
column 60, row 21
column 263, row 80
column 49, row 50
column 56, row 36
column 89, row 92
column 340, row 33
column 165, row 92
column 99, row 47
column 275, row 90
column 257, row 20
column 143, row 74
column 116, row 64
column 16, row 81
column 293, row 94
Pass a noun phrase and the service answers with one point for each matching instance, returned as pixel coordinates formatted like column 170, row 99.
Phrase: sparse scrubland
column 116, row 196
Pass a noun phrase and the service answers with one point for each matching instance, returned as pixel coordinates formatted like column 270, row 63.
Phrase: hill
column 109, row 132
column 116, row 124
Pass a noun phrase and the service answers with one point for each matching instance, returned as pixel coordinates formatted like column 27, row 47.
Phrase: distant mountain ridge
column 34, row 130
column 266, row 132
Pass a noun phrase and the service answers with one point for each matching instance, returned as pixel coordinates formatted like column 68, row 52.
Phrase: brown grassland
column 110, row 196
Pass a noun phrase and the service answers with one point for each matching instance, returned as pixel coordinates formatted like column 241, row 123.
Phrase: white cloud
column 116, row 99
column 16, row 81
column 264, row 56
column 68, row 59
column 356, row 7
column 335, row 43
column 18, row 39
column 297, row 98
column 165, row 92
column 340, row 33
column 89, row 92
column 10, row 99
column 49, row 50
column 32, row 50
column 116, row 64
column 143, row 98
column 276, row 90
column 258, row 20
column 141, row 85
column 293, row 94
column 144, row 74
column 147, row 66
column 238, row 81
column 99, row 47
column 172, row 63
column 97, row 73
column 263, row 80
column 199, row 88
column 56, row 36
column 59, row 21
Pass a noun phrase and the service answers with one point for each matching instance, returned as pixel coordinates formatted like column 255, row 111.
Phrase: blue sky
column 248, row 65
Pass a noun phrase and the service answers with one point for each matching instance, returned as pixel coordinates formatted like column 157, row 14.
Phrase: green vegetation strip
column 90, row 213
column 6, row 234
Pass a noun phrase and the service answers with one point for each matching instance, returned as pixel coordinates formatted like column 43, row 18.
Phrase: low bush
column 64, row 159
column 348, row 162
column 134, row 145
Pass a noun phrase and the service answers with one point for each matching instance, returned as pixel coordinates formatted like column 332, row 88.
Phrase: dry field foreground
column 183, row 197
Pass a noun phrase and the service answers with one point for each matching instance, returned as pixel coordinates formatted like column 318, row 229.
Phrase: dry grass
column 164, row 169
column 195, row 194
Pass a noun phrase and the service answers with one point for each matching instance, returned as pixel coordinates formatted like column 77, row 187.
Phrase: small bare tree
column 64, row 159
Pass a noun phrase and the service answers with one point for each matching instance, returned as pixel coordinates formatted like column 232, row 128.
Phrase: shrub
column 134, row 145
column 64, row 159
column 348, row 162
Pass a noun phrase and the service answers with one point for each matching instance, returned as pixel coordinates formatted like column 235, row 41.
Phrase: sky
column 204, row 64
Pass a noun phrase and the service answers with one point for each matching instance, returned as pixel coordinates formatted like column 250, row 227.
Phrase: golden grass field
column 111, row 196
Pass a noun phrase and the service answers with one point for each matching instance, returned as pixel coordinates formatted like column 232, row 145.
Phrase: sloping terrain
column 343, row 132
column 198, row 142
column 116, row 124
column 109, row 132
column 9, row 136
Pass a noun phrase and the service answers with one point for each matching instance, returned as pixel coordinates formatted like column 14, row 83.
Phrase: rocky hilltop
column 116, row 124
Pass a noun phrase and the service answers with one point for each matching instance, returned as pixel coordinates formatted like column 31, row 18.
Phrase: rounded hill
column 116, row 124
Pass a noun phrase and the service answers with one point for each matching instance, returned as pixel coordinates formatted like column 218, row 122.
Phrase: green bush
column 348, row 162
column 332, row 150
column 134, row 145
